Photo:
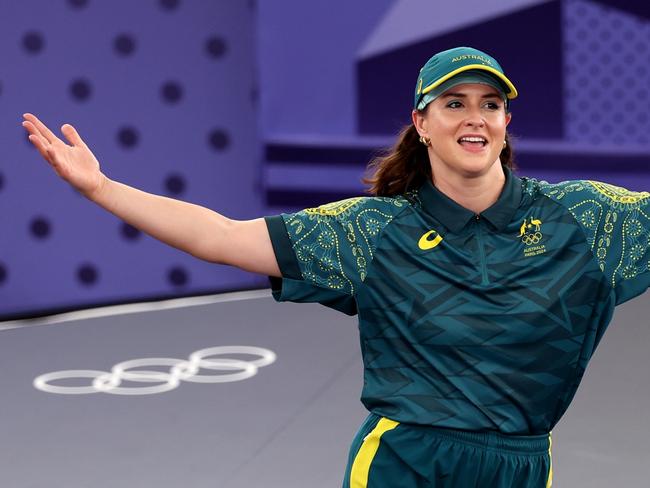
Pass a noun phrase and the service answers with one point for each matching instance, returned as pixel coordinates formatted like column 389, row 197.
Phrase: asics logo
column 429, row 240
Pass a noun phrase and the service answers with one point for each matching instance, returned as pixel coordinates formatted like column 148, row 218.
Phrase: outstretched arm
column 196, row 230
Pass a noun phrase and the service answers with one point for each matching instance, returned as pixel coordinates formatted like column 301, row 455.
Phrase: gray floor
column 288, row 426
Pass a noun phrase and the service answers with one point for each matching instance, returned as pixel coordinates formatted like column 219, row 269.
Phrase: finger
column 39, row 128
column 41, row 145
column 72, row 135
column 42, row 128
column 53, row 156
column 31, row 128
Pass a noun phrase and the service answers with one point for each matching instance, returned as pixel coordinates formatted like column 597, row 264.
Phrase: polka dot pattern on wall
column 219, row 139
column 80, row 89
column 155, row 88
column 33, row 42
column 175, row 184
column 178, row 276
column 128, row 137
column 216, row 47
column 171, row 92
column 78, row 4
column 40, row 228
column 124, row 44
column 607, row 72
column 87, row 274
column 129, row 232
column 169, row 4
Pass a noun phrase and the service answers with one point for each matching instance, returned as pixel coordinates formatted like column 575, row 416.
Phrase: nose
column 474, row 118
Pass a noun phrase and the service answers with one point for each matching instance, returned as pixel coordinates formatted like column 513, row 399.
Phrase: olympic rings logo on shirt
column 180, row 370
column 529, row 239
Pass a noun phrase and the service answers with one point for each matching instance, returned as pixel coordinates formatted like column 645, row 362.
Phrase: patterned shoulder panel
column 530, row 187
column 616, row 222
column 334, row 243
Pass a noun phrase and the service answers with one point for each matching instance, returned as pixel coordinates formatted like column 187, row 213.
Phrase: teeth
column 472, row 139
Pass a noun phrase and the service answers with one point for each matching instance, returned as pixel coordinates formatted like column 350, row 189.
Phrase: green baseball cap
column 460, row 65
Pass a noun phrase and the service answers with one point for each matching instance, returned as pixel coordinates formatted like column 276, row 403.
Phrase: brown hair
column 406, row 165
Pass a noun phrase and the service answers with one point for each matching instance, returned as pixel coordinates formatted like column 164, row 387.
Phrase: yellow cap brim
column 512, row 91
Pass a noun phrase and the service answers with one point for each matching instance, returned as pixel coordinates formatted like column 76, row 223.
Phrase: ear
column 420, row 122
column 508, row 118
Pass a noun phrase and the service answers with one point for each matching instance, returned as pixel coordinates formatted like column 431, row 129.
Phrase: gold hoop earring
column 425, row 140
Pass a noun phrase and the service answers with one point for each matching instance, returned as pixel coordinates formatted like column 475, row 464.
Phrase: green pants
column 387, row 454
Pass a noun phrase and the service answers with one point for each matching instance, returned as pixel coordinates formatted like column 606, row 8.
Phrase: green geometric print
column 480, row 323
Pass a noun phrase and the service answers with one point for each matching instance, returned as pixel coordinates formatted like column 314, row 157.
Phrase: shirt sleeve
column 616, row 222
column 324, row 252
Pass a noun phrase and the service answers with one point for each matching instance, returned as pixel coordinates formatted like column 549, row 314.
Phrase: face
column 467, row 127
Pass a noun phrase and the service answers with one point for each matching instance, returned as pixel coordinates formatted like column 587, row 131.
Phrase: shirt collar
column 455, row 217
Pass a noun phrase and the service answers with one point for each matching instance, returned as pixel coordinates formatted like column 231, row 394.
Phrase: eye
column 454, row 104
column 492, row 105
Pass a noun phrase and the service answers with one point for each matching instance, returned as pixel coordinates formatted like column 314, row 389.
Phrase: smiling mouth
column 472, row 141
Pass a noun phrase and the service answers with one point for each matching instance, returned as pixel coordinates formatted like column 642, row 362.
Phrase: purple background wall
column 253, row 108
column 581, row 68
column 307, row 57
column 607, row 70
column 164, row 92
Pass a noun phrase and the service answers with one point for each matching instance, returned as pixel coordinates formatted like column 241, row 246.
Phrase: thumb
column 72, row 135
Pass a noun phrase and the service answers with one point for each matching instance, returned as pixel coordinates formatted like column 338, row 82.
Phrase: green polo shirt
column 476, row 322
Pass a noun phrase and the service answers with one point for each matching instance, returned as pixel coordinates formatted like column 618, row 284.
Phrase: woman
column 481, row 296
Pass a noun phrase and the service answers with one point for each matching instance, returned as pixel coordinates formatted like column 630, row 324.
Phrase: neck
column 475, row 193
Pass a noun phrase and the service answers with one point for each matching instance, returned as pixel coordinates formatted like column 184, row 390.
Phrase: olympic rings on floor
column 180, row 370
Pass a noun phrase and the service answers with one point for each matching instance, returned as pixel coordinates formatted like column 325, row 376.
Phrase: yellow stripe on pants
column 549, row 483
column 363, row 460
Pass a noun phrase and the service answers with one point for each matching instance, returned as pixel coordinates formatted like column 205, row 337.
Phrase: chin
column 466, row 165
column 477, row 167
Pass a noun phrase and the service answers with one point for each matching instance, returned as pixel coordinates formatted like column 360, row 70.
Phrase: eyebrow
column 462, row 95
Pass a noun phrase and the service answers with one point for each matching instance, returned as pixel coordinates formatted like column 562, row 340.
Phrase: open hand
column 75, row 163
